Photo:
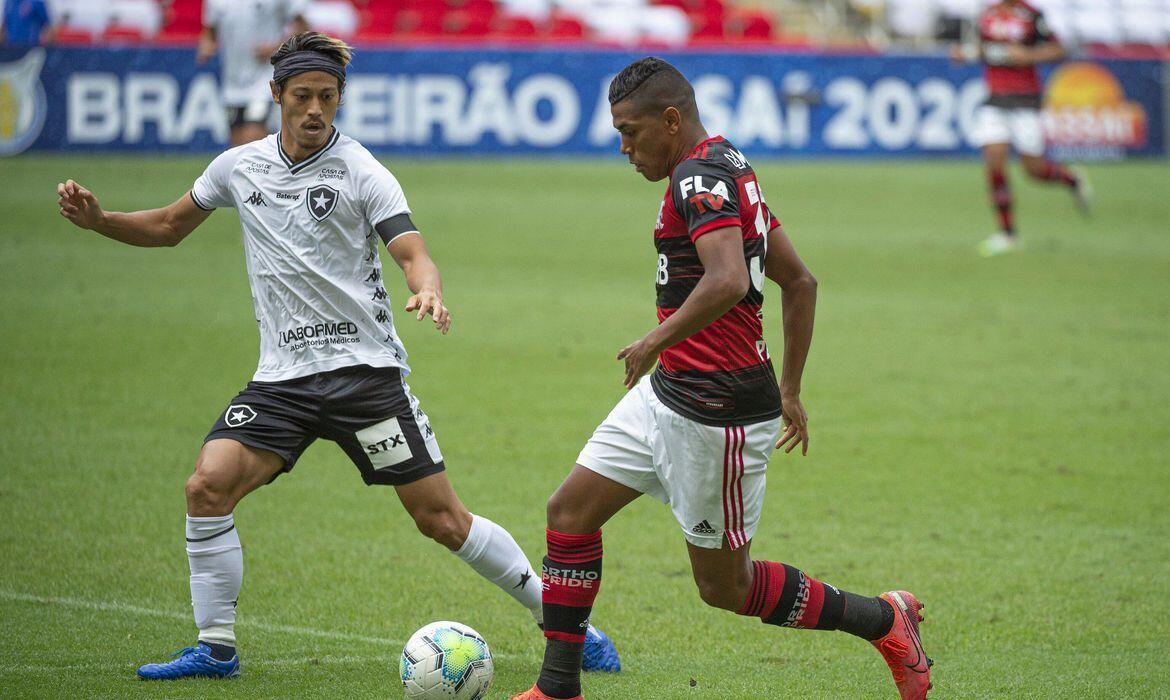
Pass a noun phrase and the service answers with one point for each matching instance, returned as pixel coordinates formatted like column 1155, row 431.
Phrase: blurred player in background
column 1013, row 39
column 698, row 432
column 313, row 205
column 246, row 32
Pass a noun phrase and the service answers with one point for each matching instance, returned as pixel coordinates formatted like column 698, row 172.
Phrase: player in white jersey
column 246, row 32
column 312, row 204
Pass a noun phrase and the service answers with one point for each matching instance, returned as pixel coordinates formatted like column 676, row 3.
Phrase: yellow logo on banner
column 1085, row 106
column 22, row 102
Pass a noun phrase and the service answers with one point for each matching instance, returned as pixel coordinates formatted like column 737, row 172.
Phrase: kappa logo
column 238, row 414
column 23, row 104
column 321, row 201
column 257, row 199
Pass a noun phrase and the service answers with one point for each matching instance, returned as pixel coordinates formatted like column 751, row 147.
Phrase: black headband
column 299, row 62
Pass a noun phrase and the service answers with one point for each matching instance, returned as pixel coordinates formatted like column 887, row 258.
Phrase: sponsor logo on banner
column 22, row 102
column 1086, row 113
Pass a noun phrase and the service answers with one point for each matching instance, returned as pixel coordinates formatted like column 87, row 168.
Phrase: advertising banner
column 442, row 102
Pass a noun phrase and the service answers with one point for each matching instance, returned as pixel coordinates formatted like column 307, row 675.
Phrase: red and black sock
column 785, row 596
column 571, row 576
column 1001, row 197
column 1055, row 172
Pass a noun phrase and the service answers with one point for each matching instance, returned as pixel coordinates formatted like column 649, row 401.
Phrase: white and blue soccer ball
column 446, row 660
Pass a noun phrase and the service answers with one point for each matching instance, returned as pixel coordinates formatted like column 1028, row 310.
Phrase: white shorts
column 712, row 477
column 1018, row 126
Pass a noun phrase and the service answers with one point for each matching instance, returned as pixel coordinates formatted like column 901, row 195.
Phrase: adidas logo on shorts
column 703, row 528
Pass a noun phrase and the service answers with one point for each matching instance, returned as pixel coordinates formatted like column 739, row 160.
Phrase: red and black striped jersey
column 1003, row 25
column 721, row 375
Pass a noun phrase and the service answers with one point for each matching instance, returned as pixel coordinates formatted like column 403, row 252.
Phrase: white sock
column 217, row 569
column 492, row 552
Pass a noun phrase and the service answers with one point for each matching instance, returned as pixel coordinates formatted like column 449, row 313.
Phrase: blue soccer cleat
column 192, row 662
column 600, row 653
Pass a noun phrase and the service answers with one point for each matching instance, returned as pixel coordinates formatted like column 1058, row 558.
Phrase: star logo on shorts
column 321, row 200
column 238, row 414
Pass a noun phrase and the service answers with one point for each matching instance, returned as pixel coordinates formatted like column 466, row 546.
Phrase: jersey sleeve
column 381, row 194
column 212, row 12
column 212, row 189
column 705, row 196
column 1044, row 32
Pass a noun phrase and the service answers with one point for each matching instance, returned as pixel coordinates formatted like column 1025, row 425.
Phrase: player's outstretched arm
column 422, row 276
column 150, row 228
column 724, row 282
column 798, row 298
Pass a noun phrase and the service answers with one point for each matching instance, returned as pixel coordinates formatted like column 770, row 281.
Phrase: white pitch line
column 106, row 606
column 103, row 606
column 262, row 663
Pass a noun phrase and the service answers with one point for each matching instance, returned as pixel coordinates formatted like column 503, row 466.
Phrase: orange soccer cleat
column 536, row 694
column 902, row 649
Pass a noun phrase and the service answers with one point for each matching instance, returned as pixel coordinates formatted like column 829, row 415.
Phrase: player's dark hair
column 653, row 84
column 329, row 47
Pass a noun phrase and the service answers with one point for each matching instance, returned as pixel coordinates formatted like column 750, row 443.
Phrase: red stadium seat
column 565, row 27
column 184, row 18
column 70, row 35
column 123, row 35
column 709, row 28
column 754, row 26
column 512, row 27
column 468, row 23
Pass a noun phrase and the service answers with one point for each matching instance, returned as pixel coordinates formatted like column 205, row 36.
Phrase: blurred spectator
column 246, row 32
column 26, row 23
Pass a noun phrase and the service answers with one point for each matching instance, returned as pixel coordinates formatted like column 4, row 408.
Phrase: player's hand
column 795, row 422
column 78, row 205
column 640, row 356
column 428, row 302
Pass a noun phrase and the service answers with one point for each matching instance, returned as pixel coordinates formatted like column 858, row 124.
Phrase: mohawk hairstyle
column 656, row 84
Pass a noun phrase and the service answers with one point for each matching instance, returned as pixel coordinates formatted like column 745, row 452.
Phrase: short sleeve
column 212, row 189
column 705, row 196
column 381, row 194
column 1043, row 29
column 212, row 12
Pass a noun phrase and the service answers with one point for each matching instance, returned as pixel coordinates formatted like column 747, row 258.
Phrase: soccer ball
column 446, row 660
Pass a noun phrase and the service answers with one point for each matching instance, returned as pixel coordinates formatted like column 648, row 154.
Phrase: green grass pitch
column 991, row 434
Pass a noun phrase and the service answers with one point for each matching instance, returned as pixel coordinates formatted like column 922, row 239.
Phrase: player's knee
column 441, row 526
column 205, row 497
column 564, row 515
column 720, row 593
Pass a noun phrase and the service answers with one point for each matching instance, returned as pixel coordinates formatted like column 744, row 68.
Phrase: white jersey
column 312, row 252
column 241, row 26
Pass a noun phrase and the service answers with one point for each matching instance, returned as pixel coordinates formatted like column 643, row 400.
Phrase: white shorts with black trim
column 712, row 477
column 1019, row 126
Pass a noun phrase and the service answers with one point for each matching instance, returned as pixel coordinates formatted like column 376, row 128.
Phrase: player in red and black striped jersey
column 1013, row 39
column 720, row 375
column 698, row 433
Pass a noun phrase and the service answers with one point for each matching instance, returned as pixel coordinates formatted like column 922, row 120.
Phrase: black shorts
column 255, row 112
column 368, row 411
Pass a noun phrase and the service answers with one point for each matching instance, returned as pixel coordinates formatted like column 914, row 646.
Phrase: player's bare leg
column 995, row 159
column 1075, row 179
column 225, row 472
column 247, row 132
column 572, row 575
column 485, row 546
column 782, row 595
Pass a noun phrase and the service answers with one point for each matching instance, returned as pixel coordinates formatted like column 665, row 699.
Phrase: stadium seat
column 1097, row 24
column 184, row 18
column 336, row 17
column 564, row 27
column 1141, row 22
column 128, row 16
column 753, row 26
column 514, row 28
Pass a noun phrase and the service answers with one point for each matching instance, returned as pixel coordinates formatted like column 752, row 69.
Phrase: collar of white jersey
column 316, row 155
